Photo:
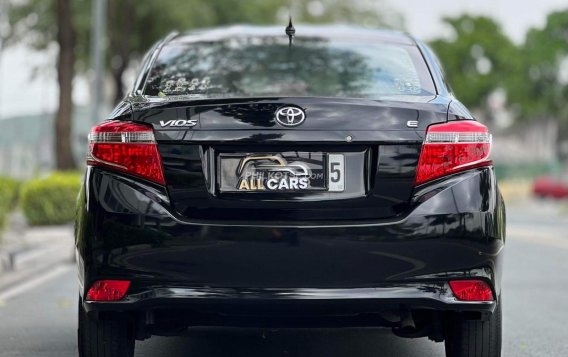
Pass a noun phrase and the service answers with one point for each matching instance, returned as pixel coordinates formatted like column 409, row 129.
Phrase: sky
column 21, row 95
column 423, row 17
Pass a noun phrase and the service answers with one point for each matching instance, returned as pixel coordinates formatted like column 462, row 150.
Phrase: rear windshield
column 267, row 66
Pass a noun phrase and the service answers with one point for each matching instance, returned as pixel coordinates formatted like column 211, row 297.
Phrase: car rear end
column 289, row 208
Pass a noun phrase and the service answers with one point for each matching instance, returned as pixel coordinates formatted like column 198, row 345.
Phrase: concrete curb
column 34, row 250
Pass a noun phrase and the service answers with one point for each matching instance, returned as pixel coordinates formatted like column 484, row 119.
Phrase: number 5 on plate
column 336, row 173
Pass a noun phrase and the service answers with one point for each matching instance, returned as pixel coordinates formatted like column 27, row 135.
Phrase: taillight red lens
column 127, row 147
column 453, row 147
column 108, row 290
column 471, row 290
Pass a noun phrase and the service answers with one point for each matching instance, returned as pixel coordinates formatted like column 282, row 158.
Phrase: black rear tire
column 104, row 338
column 473, row 338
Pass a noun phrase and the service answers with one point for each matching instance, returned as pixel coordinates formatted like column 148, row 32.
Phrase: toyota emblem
column 290, row 116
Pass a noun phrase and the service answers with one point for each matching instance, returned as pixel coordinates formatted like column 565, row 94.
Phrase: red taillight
column 453, row 147
column 471, row 290
column 126, row 147
column 108, row 290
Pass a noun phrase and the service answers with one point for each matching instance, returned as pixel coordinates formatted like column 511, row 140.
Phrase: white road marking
column 34, row 282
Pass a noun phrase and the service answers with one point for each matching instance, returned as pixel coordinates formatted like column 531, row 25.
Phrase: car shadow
column 289, row 343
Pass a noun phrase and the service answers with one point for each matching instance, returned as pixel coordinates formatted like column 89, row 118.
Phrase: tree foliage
column 133, row 26
column 34, row 23
column 39, row 24
column 533, row 74
column 543, row 89
column 478, row 59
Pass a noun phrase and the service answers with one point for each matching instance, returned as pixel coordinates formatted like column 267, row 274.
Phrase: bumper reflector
column 471, row 290
column 108, row 290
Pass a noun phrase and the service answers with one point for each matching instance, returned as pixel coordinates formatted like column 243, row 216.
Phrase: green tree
column 151, row 20
column 133, row 26
column 542, row 90
column 370, row 13
column 478, row 59
column 148, row 21
column 39, row 24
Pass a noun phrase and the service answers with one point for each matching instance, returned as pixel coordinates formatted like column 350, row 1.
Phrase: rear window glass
column 267, row 66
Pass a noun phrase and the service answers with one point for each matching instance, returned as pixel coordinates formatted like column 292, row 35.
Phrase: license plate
column 281, row 172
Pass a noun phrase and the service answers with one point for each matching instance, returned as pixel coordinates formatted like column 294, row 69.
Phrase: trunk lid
column 209, row 148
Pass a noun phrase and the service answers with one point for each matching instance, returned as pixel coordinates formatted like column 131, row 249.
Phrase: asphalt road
column 39, row 318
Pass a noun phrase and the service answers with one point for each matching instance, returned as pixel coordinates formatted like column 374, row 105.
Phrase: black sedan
column 255, row 178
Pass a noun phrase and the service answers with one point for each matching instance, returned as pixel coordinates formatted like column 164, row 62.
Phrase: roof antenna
column 290, row 31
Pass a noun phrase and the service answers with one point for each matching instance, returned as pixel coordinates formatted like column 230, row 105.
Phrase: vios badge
column 290, row 116
column 178, row 123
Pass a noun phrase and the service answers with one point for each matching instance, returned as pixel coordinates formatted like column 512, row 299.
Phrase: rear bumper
column 126, row 231
column 431, row 295
column 367, row 307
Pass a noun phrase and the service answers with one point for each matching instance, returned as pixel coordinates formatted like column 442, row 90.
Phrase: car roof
column 331, row 32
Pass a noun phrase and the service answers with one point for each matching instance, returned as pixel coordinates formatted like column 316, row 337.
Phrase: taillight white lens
column 453, row 147
column 126, row 147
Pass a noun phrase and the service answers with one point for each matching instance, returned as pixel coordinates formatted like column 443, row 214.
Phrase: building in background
column 27, row 147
